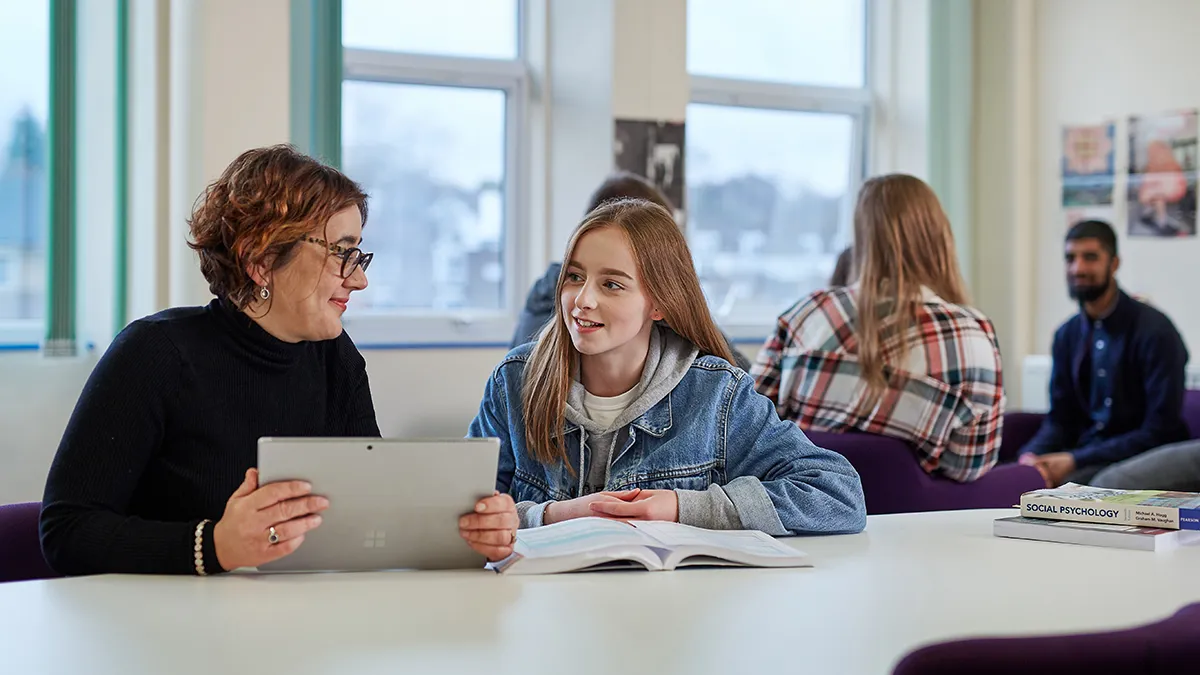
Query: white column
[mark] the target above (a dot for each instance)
(229, 92)
(1004, 214)
(899, 76)
(601, 60)
(95, 154)
(149, 157)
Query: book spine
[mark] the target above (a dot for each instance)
(1107, 512)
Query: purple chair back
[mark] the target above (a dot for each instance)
(1168, 646)
(1019, 429)
(894, 482)
(1191, 411)
(21, 556)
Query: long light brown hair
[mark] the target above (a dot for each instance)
(902, 241)
(667, 275)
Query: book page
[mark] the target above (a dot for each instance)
(578, 536)
(749, 542)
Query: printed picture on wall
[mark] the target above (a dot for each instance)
(1162, 175)
(1088, 165)
(654, 150)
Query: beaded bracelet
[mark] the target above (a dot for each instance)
(200, 548)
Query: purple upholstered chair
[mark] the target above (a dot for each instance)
(1165, 647)
(1020, 427)
(894, 482)
(1191, 411)
(20, 548)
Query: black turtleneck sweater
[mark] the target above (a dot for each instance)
(169, 422)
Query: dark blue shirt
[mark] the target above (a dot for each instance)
(1116, 386)
(1099, 367)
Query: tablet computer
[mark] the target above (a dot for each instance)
(393, 503)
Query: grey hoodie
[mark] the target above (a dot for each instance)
(667, 361)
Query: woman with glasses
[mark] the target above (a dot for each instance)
(155, 472)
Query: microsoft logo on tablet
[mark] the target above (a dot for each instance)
(375, 539)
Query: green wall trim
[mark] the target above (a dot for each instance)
(121, 172)
(60, 311)
(316, 78)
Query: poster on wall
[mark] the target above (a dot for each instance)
(653, 150)
(1162, 175)
(1087, 165)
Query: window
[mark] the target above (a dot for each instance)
(810, 42)
(774, 149)
(24, 170)
(432, 115)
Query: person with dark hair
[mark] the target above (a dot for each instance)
(541, 301)
(155, 471)
(841, 269)
(1117, 381)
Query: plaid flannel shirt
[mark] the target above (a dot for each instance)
(947, 399)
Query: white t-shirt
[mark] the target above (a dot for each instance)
(604, 410)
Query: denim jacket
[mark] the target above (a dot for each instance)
(711, 429)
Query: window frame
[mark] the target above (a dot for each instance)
(855, 102)
(54, 333)
(392, 329)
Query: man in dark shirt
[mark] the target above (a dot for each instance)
(1116, 387)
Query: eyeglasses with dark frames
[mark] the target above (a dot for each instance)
(351, 257)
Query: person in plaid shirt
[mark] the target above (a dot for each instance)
(924, 367)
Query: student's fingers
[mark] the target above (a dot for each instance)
(492, 553)
(624, 495)
(497, 503)
(489, 521)
(488, 537)
(620, 509)
(270, 495)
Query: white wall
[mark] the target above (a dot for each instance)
(1003, 184)
(1099, 59)
(1038, 66)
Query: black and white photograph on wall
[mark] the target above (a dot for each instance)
(654, 150)
(1162, 175)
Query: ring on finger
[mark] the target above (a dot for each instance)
(272, 535)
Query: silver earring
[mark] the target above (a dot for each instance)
(264, 293)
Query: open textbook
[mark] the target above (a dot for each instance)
(600, 543)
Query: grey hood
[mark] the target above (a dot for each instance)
(667, 361)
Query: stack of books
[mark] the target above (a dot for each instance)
(1148, 520)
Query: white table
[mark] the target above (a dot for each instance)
(909, 579)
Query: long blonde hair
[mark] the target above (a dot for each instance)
(666, 272)
(902, 241)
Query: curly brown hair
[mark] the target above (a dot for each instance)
(261, 207)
